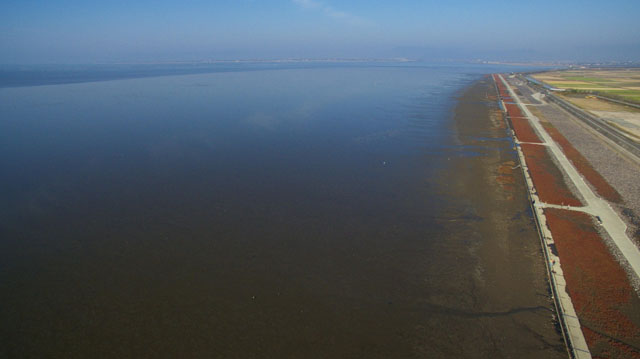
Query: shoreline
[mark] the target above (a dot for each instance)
(574, 339)
(508, 284)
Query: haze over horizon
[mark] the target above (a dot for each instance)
(73, 31)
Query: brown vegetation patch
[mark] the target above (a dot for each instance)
(506, 168)
(505, 180)
(524, 131)
(547, 177)
(502, 89)
(598, 286)
(513, 110)
(522, 127)
(505, 176)
(583, 166)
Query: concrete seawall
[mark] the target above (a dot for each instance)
(567, 317)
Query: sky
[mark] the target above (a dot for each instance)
(78, 32)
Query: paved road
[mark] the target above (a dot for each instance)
(572, 329)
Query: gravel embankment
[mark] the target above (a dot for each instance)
(621, 172)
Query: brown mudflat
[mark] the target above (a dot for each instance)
(495, 301)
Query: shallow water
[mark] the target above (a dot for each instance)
(284, 212)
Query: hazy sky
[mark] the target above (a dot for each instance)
(87, 31)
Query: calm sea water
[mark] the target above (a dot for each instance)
(279, 212)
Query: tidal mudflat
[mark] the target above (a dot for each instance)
(364, 211)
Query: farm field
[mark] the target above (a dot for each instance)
(625, 118)
(621, 83)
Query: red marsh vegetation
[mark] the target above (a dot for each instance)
(583, 166)
(599, 288)
(513, 110)
(547, 177)
(524, 131)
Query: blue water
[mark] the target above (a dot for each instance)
(284, 211)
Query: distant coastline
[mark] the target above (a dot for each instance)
(57, 74)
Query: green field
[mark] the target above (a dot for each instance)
(588, 79)
(623, 84)
(569, 85)
(633, 95)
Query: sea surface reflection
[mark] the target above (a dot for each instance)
(271, 213)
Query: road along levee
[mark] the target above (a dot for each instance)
(567, 317)
(603, 313)
(595, 205)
